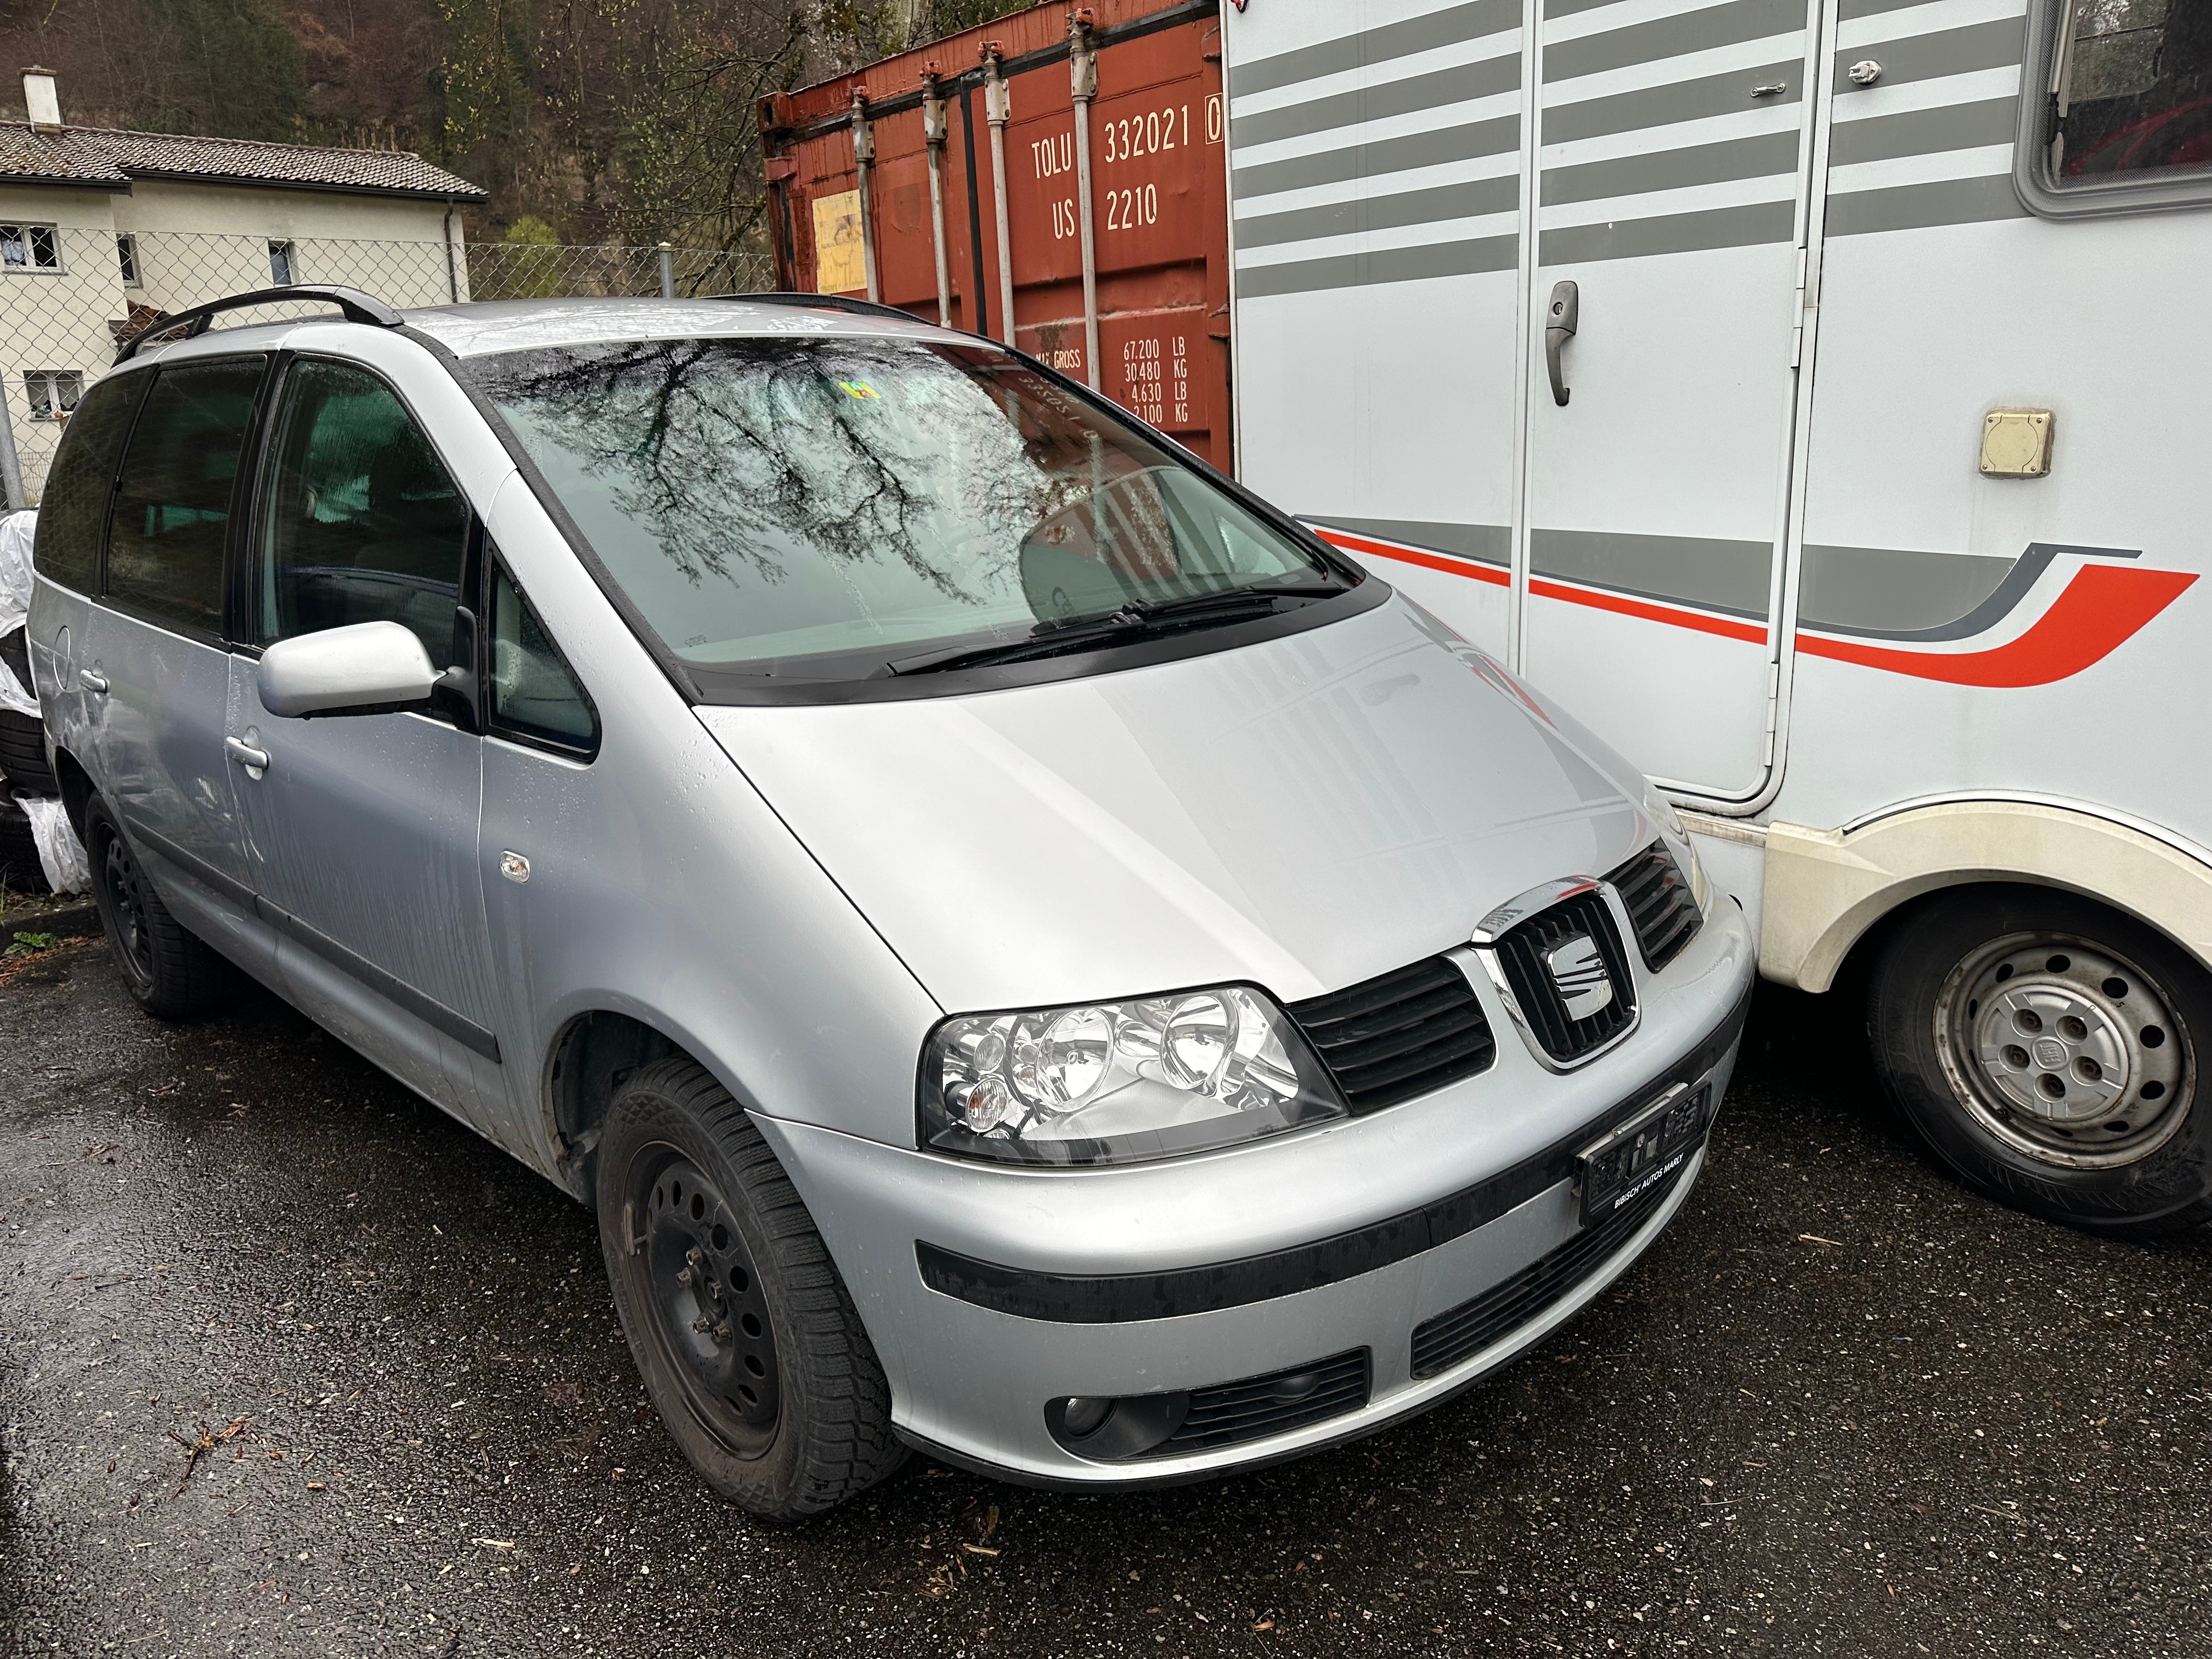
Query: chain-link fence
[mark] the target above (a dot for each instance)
(68, 296)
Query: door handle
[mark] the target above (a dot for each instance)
(255, 761)
(1560, 317)
(92, 680)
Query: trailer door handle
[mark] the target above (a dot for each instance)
(1559, 320)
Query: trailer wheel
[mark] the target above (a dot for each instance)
(2048, 1049)
(743, 1333)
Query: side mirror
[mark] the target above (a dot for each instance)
(368, 668)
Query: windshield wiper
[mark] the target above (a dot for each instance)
(1138, 619)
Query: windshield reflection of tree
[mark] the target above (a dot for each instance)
(757, 452)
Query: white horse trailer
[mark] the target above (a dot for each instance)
(1814, 397)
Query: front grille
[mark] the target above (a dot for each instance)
(1520, 956)
(1661, 907)
(1460, 1332)
(1231, 1413)
(1398, 1035)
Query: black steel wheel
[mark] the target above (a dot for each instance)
(742, 1329)
(2047, 1049)
(169, 974)
(710, 1316)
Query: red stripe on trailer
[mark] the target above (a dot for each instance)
(2100, 609)
(1352, 543)
(1730, 627)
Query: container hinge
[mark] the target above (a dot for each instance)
(1773, 710)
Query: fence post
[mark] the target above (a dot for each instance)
(11, 469)
(667, 271)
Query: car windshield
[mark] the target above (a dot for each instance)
(830, 507)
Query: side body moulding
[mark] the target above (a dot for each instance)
(1825, 887)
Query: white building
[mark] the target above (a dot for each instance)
(102, 230)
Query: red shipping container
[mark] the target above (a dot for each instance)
(887, 184)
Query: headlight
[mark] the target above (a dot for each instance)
(1120, 1082)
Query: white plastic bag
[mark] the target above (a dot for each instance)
(15, 535)
(61, 855)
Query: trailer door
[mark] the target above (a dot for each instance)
(1671, 155)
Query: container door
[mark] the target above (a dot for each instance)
(1671, 164)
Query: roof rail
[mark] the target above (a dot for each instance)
(356, 306)
(829, 302)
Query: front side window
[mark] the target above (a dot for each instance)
(53, 392)
(838, 508)
(165, 549)
(532, 693)
(2127, 116)
(73, 510)
(361, 521)
(30, 248)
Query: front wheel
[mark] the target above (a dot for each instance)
(2048, 1049)
(742, 1329)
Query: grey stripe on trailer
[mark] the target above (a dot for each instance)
(1479, 544)
(1701, 570)
(1917, 207)
(1849, 10)
(1747, 226)
(1447, 27)
(1756, 157)
(1672, 37)
(1394, 264)
(1677, 101)
(1994, 45)
(1460, 84)
(1380, 159)
(1409, 207)
(1925, 131)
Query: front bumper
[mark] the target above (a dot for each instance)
(989, 1293)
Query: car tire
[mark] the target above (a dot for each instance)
(2049, 1050)
(23, 754)
(21, 871)
(744, 1332)
(169, 974)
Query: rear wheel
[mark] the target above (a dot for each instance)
(171, 974)
(743, 1331)
(2048, 1049)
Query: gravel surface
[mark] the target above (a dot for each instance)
(293, 1365)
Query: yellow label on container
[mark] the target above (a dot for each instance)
(840, 264)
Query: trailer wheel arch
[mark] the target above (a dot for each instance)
(1825, 892)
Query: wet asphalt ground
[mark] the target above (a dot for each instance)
(290, 1364)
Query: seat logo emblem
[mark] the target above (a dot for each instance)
(1579, 971)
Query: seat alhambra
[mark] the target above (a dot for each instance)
(1031, 956)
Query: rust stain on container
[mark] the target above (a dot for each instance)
(1158, 201)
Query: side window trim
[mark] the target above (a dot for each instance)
(242, 493)
(2047, 20)
(494, 569)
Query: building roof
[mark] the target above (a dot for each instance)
(106, 158)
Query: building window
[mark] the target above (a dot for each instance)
(2124, 119)
(29, 247)
(284, 265)
(126, 258)
(53, 392)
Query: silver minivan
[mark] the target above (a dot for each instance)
(1031, 955)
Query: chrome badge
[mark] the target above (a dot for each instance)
(1585, 987)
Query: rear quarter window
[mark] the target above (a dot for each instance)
(73, 512)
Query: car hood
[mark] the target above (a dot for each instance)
(1302, 814)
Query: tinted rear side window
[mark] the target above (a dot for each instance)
(73, 512)
(173, 503)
